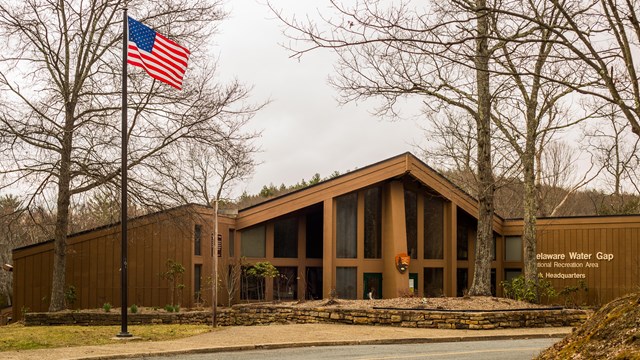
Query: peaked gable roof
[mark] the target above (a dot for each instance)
(394, 167)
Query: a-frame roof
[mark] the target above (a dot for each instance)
(395, 167)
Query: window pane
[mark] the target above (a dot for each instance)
(346, 282)
(433, 282)
(346, 226)
(315, 234)
(251, 287)
(372, 224)
(314, 283)
(197, 282)
(285, 285)
(494, 282)
(252, 242)
(462, 281)
(411, 221)
(513, 248)
(433, 227)
(197, 239)
(493, 247)
(462, 236)
(372, 286)
(510, 274)
(285, 238)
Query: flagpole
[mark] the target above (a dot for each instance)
(123, 185)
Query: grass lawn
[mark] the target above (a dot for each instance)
(20, 337)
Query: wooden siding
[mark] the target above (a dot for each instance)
(595, 237)
(93, 262)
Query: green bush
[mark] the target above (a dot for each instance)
(575, 296)
(70, 296)
(522, 289)
(168, 308)
(133, 309)
(106, 307)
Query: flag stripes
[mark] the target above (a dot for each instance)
(162, 58)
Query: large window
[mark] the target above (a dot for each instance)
(346, 226)
(372, 223)
(285, 238)
(433, 227)
(197, 240)
(411, 221)
(314, 234)
(433, 282)
(346, 282)
(253, 242)
(513, 248)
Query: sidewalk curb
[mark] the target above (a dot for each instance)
(288, 345)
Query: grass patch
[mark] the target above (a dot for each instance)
(20, 337)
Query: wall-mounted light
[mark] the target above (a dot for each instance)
(7, 267)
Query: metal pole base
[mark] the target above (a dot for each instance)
(124, 335)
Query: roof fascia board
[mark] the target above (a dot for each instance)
(446, 188)
(332, 188)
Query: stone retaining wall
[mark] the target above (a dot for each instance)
(247, 315)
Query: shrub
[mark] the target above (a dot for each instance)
(522, 289)
(168, 308)
(70, 296)
(106, 307)
(133, 309)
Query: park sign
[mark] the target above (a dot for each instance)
(569, 265)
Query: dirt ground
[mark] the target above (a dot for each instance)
(441, 303)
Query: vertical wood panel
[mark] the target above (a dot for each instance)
(93, 270)
(148, 251)
(155, 263)
(100, 270)
(85, 282)
(111, 267)
(141, 258)
(36, 283)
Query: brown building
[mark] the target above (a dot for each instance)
(342, 236)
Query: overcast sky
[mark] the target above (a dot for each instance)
(305, 131)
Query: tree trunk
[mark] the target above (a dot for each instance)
(62, 219)
(530, 211)
(481, 284)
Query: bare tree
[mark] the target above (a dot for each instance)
(604, 35)
(560, 176)
(616, 153)
(59, 118)
(528, 110)
(439, 52)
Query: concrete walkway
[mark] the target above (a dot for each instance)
(237, 338)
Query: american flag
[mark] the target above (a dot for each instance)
(162, 59)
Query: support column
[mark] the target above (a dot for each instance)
(450, 249)
(328, 249)
(394, 240)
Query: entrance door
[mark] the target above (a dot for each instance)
(373, 286)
